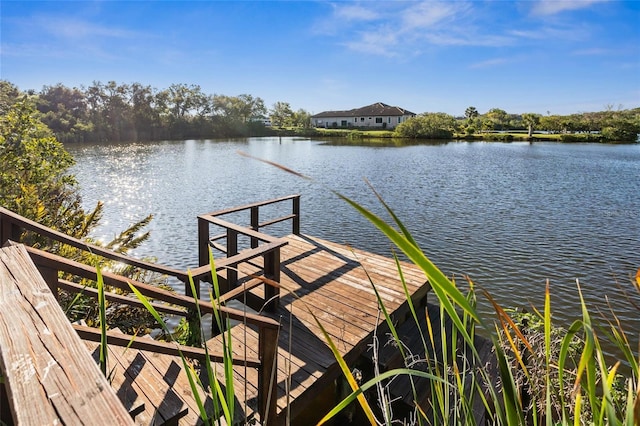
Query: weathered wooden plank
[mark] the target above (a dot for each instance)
(129, 392)
(49, 373)
(165, 403)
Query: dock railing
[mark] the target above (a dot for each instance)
(261, 244)
(13, 227)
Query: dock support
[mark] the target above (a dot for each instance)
(296, 213)
(272, 272)
(268, 379)
(203, 241)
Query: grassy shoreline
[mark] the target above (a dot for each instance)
(356, 135)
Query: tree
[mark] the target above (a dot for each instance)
(64, 111)
(281, 114)
(436, 125)
(498, 117)
(9, 94)
(531, 120)
(301, 118)
(471, 113)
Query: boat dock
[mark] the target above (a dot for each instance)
(274, 290)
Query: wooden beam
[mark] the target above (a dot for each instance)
(118, 298)
(46, 259)
(49, 374)
(117, 338)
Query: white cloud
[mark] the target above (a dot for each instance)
(553, 7)
(433, 14)
(354, 12)
(489, 63)
(78, 29)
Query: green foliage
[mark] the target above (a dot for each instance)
(35, 183)
(436, 125)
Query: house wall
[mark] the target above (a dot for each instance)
(344, 122)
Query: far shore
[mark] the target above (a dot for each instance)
(356, 134)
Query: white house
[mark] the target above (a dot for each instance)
(377, 115)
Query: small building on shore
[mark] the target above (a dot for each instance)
(377, 115)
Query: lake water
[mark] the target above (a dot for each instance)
(509, 215)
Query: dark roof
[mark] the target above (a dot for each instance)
(376, 109)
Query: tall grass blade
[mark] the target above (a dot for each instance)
(226, 341)
(359, 391)
(346, 372)
(547, 353)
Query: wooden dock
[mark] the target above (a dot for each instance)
(332, 282)
(284, 370)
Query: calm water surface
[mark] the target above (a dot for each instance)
(509, 215)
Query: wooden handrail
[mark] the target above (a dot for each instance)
(203, 272)
(47, 260)
(118, 338)
(28, 224)
(249, 206)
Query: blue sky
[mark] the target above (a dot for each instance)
(541, 56)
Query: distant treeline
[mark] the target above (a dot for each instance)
(135, 112)
(602, 126)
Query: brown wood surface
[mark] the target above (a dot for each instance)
(49, 374)
(330, 284)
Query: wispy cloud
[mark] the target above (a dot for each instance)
(354, 12)
(553, 7)
(566, 32)
(79, 29)
(399, 28)
(490, 63)
(432, 14)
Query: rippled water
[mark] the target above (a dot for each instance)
(509, 215)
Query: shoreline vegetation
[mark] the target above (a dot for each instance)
(134, 112)
(383, 136)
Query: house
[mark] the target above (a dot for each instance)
(377, 115)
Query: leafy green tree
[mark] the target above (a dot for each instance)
(531, 120)
(436, 125)
(471, 113)
(9, 94)
(301, 118)
(64, 111)
(281, 114)
(499, 117)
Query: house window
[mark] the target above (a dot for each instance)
(399, 119)
(389, 120)
(379, 120)
(361, 118)
(343, 123)
(355, 120)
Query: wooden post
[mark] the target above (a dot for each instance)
(8, 230)
(5, 410)
(203, 241)
(267, 375)
(272, 271)
(51, 278)
(296, 212)
(255, 224)
(232, 250)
